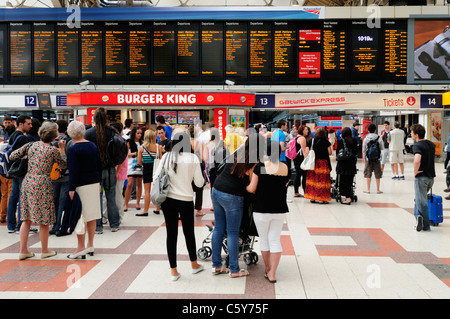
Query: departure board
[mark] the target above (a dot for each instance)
(236, 50)
(212, 50)
(67, 52)
(334, 55)
(44, 50)
(365, 56)
(260, 34)
(3, 50)
(20, 51)
(140, 48)
(395, 50)
(91, 51)
(115, 51)
(188, 50)
(310, 49)
(284, 50)
(164, 50)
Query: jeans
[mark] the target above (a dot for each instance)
(422, 185)
(13, 205)
(59, 197)
(228, 210)
(108, 183)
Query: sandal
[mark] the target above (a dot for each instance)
(241, 273)
(221, 270)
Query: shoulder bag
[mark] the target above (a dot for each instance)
(160, 187)
(310, 160)
(344, 153)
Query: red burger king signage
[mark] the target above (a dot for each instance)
(155, 99)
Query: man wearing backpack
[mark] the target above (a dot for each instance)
(23, 126)
(372, 148)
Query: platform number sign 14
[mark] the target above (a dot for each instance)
(30, 100)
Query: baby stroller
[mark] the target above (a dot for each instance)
(247, 239)
(336, 192)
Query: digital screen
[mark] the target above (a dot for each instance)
(3, 51)
(115, 51)
(236, 50)
(188, 117)
(91, 51)
(365, 53)
(309, 46)
(44, 50)
(334, 56)
(67, 52)
(395, 50)
(432, 50)
(163, 49)
(260, 49)
(212, 50)
(169, 116)
(140, 42)
(20, 51)
(188, 49)
(284, 50)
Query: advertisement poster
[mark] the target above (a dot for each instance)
(220, 121)
(436, 130)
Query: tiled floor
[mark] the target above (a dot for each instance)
(367, 250)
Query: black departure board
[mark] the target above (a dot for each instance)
(310, 50)
(334, 55)
(3, 50)
(364, 52)
(140, 41)
(236, 50)
(188, 50)
(68, 56)
(44, 50)
(116, 37)
(204, 52)
(395, 50)
(260, 35)
(212, 50)
(164, 50)
(284, 50)
(91, 51)
(20, 51)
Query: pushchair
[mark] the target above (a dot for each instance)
(336, 192)
(247, 238)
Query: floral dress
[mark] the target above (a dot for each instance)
(36, 198)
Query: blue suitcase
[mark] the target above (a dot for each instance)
(435, 209)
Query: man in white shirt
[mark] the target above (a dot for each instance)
(396, 146)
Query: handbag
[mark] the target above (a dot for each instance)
(156, 160)
(310, 160)
(160, 187)
(344, 153)
(19, 168)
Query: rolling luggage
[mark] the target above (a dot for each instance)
(435, 209)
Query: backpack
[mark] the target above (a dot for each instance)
(373, 150)
(291, 152)
(5, 163)
(116, 150)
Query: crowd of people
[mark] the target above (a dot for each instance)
(258, 165)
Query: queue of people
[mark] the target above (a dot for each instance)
(254, 166)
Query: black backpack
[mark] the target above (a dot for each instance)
(116, 150)
(373, 150)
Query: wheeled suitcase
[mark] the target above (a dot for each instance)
(435, 209)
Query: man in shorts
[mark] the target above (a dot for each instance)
(372, 165)
(396, 146)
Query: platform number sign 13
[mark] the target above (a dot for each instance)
(30, 100)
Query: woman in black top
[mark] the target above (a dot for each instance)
(228, 201)
(300, 176)
(269, 182)
(346, 169)
(318, 183)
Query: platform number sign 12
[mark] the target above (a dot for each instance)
(30, 100)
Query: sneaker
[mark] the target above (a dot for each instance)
(395, 178)
(419, 225)
(11, 231)
(115, 229)
(402, 177)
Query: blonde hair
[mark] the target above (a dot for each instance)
(149, 138)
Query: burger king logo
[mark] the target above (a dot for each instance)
(210, 98)
(220, 112)
(243, 99)
(105, 98)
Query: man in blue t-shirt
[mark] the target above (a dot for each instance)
(161, 121)
(280, 137)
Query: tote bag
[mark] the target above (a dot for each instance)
(160, 187)
(310, 160)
